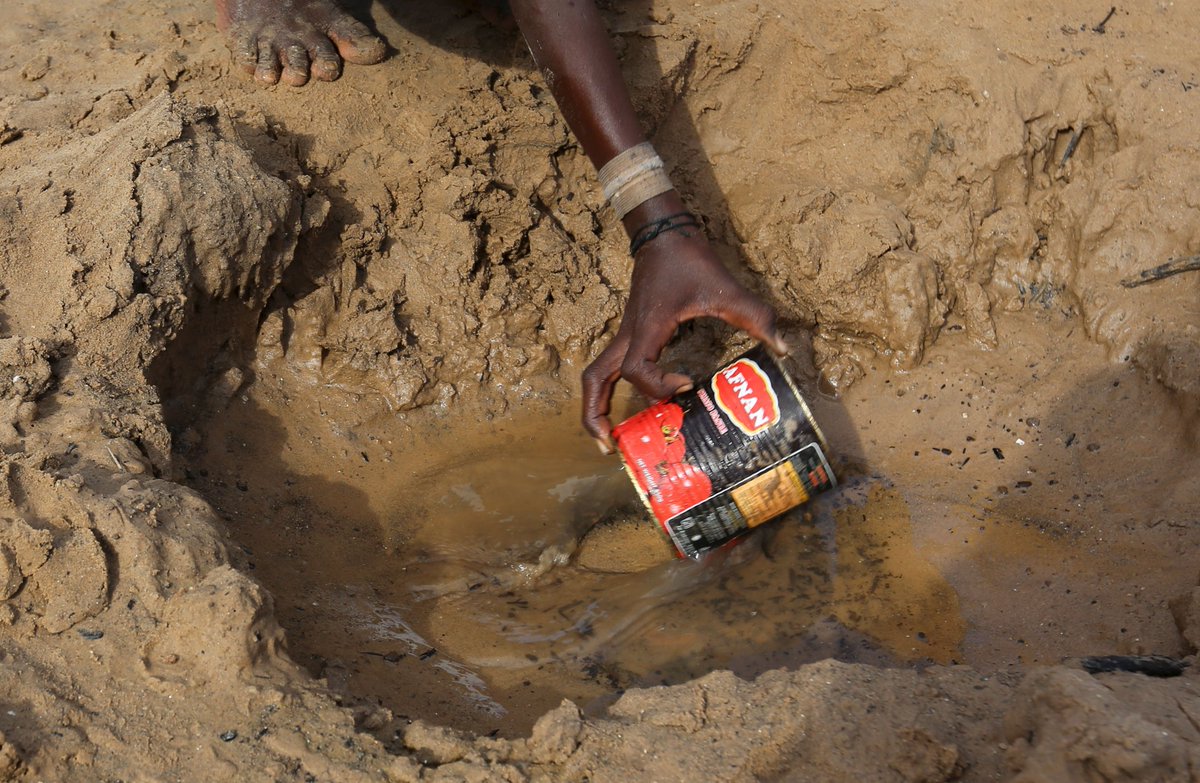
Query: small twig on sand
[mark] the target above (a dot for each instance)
(390, 657)
(1100, 27)
(1071, 145)
(1172, 267)
(120, 465)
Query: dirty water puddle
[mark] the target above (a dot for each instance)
(475, 572)
(476, 575)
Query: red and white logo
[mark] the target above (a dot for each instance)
(744, 393)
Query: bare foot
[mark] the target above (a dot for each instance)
(293, 39)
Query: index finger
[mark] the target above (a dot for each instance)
(752, 315)
(640, 366)
(599, 379)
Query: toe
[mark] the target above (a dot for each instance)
(355, 41)
(295, 65)
(245, 51)
(326, 64)
(267, 69)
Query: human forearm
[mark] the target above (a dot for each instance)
(571, 47)
(676, 275)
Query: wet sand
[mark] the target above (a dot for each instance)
(291, 485)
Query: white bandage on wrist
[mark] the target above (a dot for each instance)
(634, 177)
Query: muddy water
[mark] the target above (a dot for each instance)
(476, 572)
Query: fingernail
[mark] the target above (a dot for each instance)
(780, 346)
(605, 445)
(687, 387)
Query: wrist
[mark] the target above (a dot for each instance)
(682, 223)
(656, 208)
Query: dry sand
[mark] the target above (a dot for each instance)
(210, 290)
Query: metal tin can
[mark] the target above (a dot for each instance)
(739, 449)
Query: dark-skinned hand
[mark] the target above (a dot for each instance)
(676, 277)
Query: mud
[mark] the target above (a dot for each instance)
(292, 486)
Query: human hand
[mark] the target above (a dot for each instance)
(676, 278)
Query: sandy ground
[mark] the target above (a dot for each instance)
(249, 337)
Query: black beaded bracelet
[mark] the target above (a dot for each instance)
(656, 228)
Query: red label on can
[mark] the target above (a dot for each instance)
(671, 483)
(744, 392)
